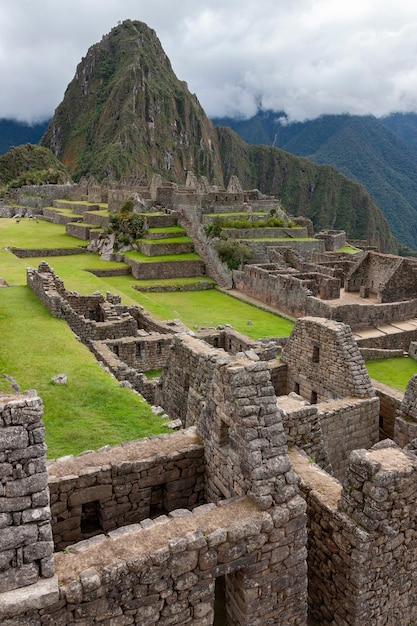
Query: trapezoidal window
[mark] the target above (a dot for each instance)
(223, 434)
(157, 503)
(315, 357)
(90, 519)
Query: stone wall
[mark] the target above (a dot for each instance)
(167, 572)
(79, 230)
(347, 424)
(90, 317)
(123, 373)
(364, 535)
(24, 253)
(162, 248)
(187, 378)
(266, 233)
(286, 291)
(142, 353)
(156, 270)
(391, 277)
(41, 195)
(371, 271)
(333, 239)
(405, 429)
(26, 546)
(114, 487)
(323, 361)
(389, 403)
(398, 341)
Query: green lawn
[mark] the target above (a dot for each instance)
(32, 234)
(91, 410)
(394, 372)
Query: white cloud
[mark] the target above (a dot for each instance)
(306, 57)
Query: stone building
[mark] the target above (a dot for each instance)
(153, 531)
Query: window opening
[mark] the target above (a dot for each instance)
(220, 614)
(223, 434)
(90, 518)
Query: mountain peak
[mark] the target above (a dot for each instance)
(125, 113)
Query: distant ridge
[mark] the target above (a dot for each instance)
(126, 115)
(14, 133)
(380, 154)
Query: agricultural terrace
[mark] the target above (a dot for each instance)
(91, 410)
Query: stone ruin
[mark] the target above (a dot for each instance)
(271, 498)
(367, 290)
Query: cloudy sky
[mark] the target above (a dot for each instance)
(306, 57)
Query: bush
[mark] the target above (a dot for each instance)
(127, 225)
(233, 253)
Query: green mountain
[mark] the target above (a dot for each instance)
(379, 154)
(29, 164)
(125, 114)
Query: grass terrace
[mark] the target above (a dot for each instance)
(91, 410)
(76, 417)
(142, 258)
(394, 372)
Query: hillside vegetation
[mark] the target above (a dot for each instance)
(126, 114)
(29, 164)
(381, 155)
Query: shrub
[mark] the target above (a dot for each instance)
(233, 253)
(127, 225)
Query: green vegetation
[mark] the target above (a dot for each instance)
(29, 164)
(76, 418)
(233, 253)
(198, 309)
(75, 415)
(127, 226)
(348, 249)
(218, 223)
(394, 372)
(143, 258)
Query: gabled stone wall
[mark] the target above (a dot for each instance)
(323, 360)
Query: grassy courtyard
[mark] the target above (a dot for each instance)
(91, 410)
(394, 372)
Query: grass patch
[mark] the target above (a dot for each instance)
(150, 374)
(348, 249)
(32, 234)
(91, 410)
(394, 372)
(168, 240)
(205, 308)
(167, 229)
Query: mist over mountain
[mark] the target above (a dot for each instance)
(126, 115)
(14, 133)
(380, 154)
